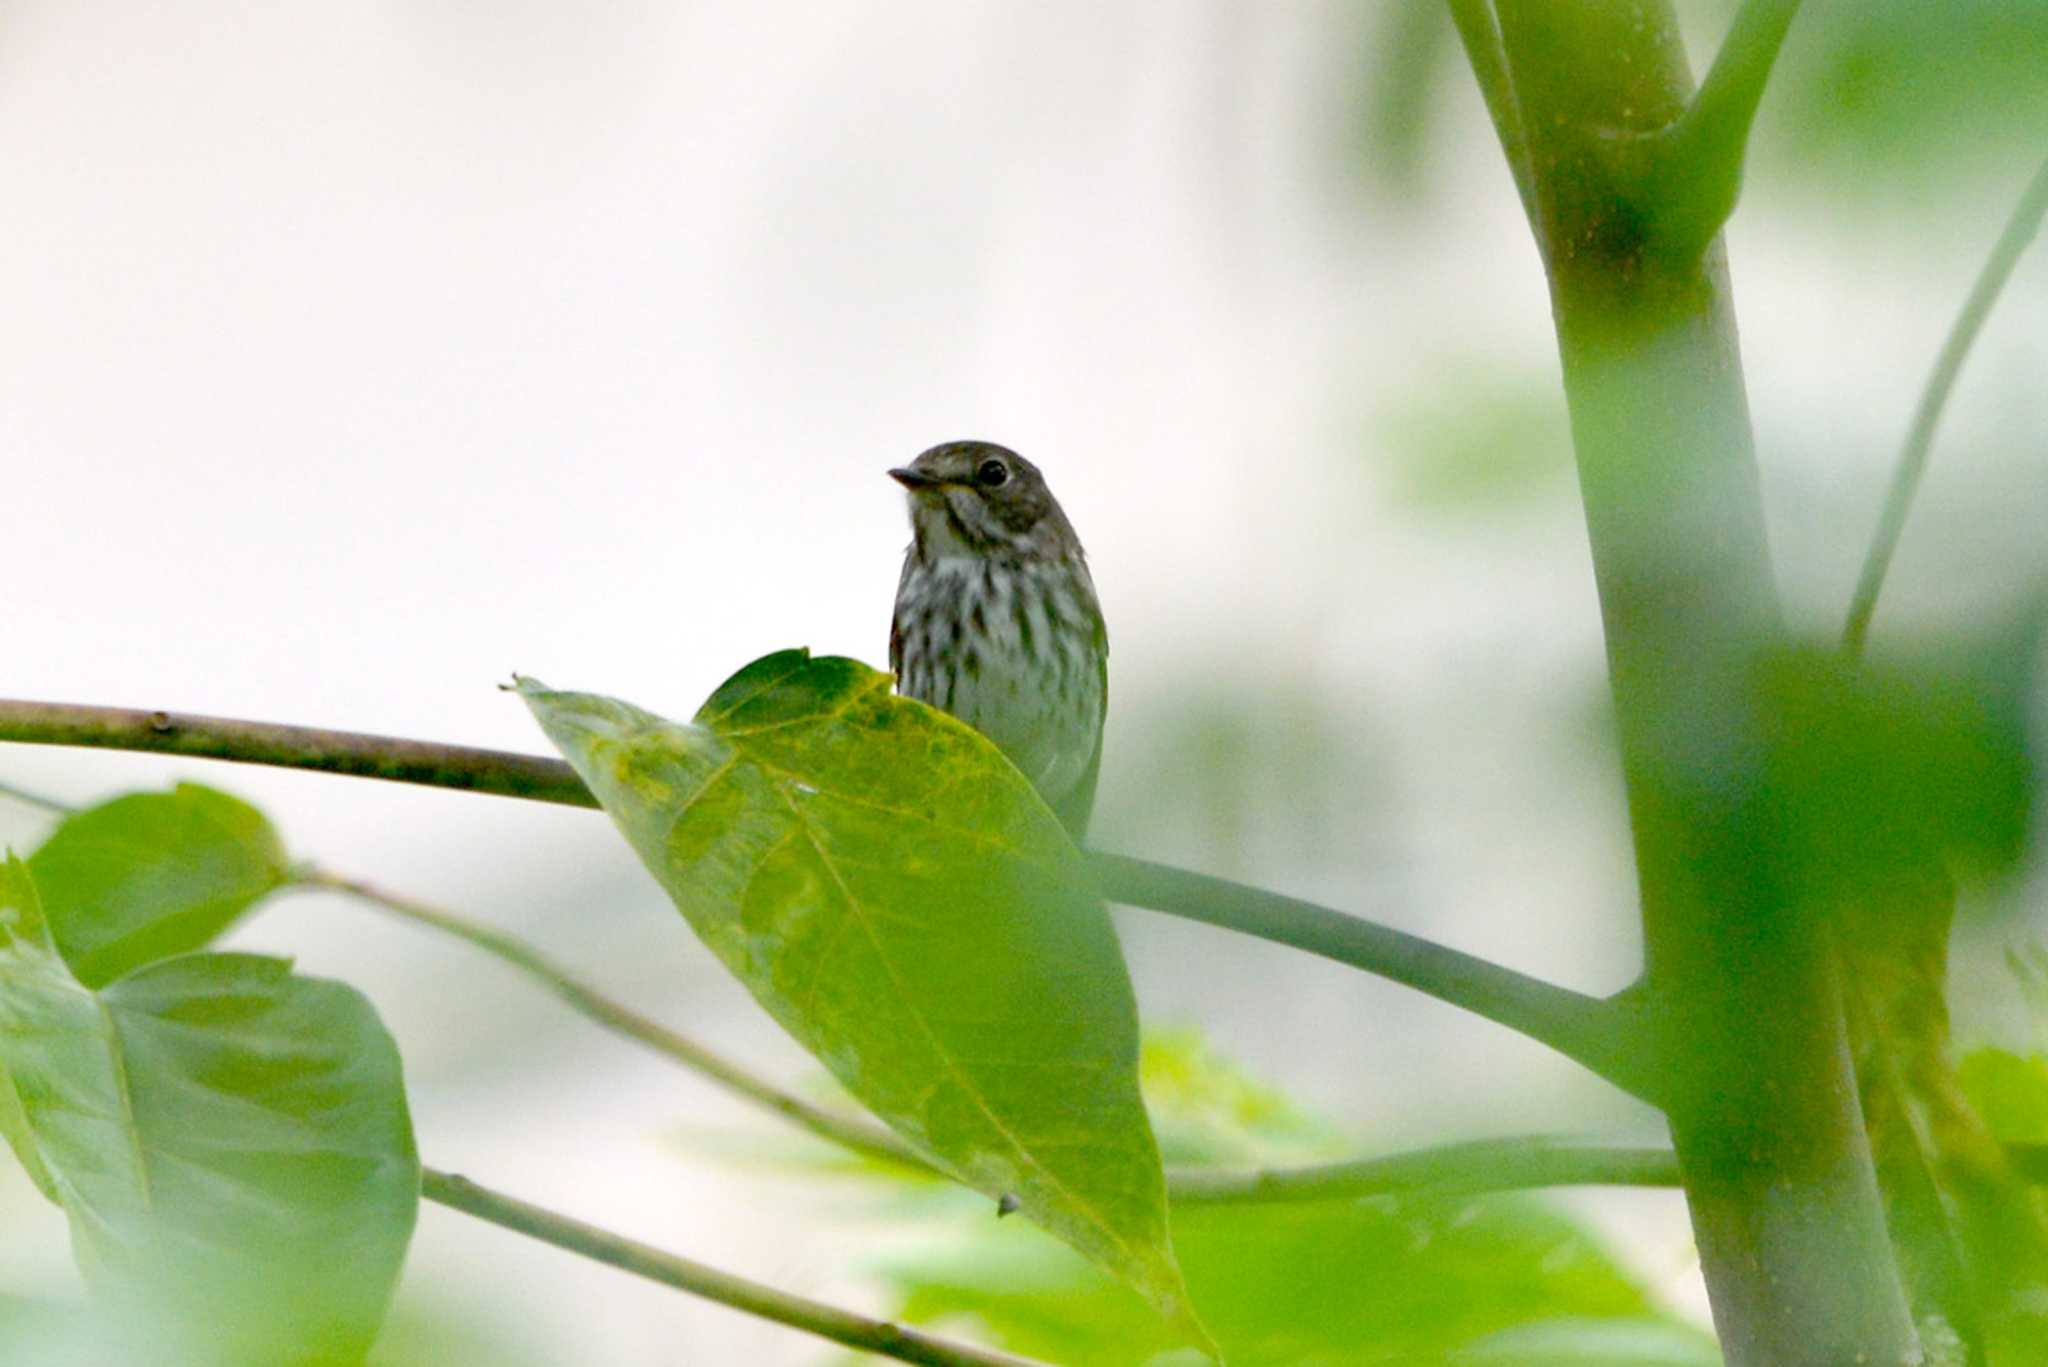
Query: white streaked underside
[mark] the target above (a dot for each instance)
(1020, 670)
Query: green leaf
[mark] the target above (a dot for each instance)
(1593, 1343)
(150, 875)
(1485, 443)
(229, 1141)
(2010, 1092)
(1340, 1284)
(1207, 1110)
(1344, 1284)
(1877, 86)
(1881, 770)
(898, 898)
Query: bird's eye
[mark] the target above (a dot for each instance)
(992, 473)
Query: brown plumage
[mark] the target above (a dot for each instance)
(996, 620)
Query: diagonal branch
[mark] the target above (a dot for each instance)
(2019, 231)
(1469, 1168)
(1486, 1165)
(683, 1274)
(1696, 173)
(1607, 1036)
(1479, 31)
(868, 1140)
(37, 800)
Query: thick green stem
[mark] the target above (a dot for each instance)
(1762, 1104)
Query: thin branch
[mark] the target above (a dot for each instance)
(1479, 31)
(2019, 231)
(1452, 1169)
(868, 1140)
(1606, 1036)
(295, 747)
(1487, 1165)
(812, 1317)
(1696, 176)
(37, 800)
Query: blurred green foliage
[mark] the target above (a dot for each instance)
(1477, 442)
(1865, 83)
(2010, 1091)
(1423, 1279)
(229, 1141)
(1881, 769)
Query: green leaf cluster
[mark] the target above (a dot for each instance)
(1424, 1279)
(228, 1140)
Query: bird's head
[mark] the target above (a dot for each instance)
(970, 498)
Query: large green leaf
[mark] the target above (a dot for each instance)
(150, 875)
(897, 896)
(229, 1141)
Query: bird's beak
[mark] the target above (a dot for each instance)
(914, 480)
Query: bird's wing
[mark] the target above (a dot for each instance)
(896, 616)
(1078, 803)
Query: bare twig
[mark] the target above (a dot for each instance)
(295, 747)
(2019, 231)
(812, 1317)
(37, 800)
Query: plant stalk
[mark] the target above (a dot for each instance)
(1763, 1105)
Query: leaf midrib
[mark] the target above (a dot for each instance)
(924, 1026)
(131, 1130)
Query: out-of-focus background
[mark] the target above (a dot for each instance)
(356, 356)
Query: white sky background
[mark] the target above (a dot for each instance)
(356, 356)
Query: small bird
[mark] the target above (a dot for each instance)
(996, 620)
